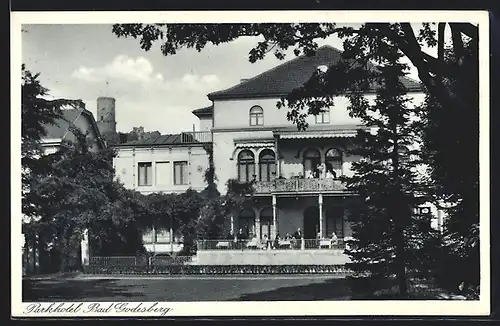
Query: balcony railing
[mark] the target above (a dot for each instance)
(196, 137)
(298, 185)
(301, 244)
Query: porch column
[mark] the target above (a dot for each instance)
(85, 248)
(320, 203)
(277, 157)
(233, 232)
(275, 222)
(257, 226)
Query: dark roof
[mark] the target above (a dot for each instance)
(60, 128)
(203, 111)
(284, 78)
(170, 139)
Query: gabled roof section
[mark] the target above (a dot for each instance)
(61, 126)
(284, 78)
(203, 112)
(165, 140)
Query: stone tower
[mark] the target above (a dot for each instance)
(106, 119)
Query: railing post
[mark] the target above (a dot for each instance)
(320, 204)
(275, 220)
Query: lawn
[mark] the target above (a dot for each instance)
(187, 288)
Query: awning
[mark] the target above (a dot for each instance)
(318, 134)
(254, 145)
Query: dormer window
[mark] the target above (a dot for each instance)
(323, 117)
(256, 116)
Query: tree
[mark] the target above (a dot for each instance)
(457, 185)
(389, 240)
(36, 113)
(73, 189)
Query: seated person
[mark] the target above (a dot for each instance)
(277, 241)
(334, 239)
(310, 174)
(330, 174)
(265, 242)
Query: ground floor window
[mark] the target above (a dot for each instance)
(266, 222)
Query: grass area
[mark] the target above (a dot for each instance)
(210, 288)
(186, 289)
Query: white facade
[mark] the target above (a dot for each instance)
(172, 169)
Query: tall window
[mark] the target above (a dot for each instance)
(256, 116)
(246, 166)
(181, 173)
(323, 116)
(333, 162)
(312, 159)
(145, 174)
(267, 165)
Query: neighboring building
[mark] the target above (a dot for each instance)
(106, 119)
(82, 119)
(163, 164)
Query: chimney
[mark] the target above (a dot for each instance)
(243, 80)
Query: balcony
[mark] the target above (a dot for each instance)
(298, 186)
(196, 137)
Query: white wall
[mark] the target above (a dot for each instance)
(235, 113)
(205, 123)
(162, 159)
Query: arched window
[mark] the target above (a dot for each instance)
(256, 116)
(333, 162)
(246, 166)
(246, 222)
(323, 117)
(267, 165)
(312, 159)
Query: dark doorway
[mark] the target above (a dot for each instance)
(311, 222)
(335, 221)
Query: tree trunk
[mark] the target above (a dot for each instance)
(401, 261)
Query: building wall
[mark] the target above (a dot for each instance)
(271, 257)
(225, 153)
(162, 160)
(235, 113)
(291, 153)
(205, 123)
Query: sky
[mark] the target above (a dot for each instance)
(158, 92)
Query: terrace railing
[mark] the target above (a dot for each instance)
(323, 244)
(298, 185)
(196, 137)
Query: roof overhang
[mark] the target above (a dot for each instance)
(349, 133)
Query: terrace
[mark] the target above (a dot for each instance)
(296, 185)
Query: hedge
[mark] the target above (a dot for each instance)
(217, 269)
